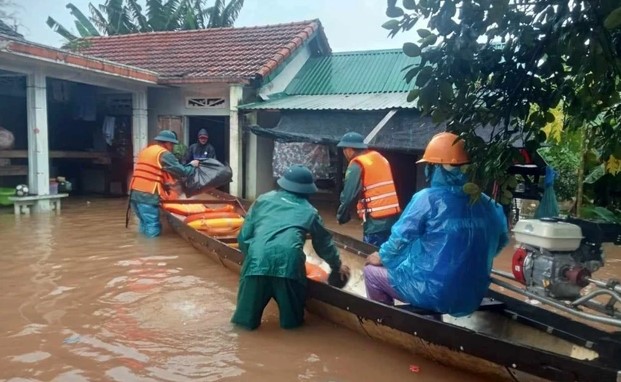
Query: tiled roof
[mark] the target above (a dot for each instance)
(216, 54)
(16, 47)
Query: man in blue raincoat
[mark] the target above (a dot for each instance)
(440, 252)
(272, 240)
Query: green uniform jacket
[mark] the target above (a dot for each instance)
(171, 165)
(350, 195)
(273, 236)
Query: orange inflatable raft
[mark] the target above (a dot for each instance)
(184, 209)
(203, 224)
(211, 215)
(316, 273)
(224, 208)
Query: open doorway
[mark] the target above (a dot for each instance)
(218, 130)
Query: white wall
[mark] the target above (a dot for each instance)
(258, 177)
(259, 150)
(282, 80)
(172, 101)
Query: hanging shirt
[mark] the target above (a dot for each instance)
(273, 236)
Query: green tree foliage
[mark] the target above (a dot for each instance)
(564, 156)
(508, 64)
(116, 17)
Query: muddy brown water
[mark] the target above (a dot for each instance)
(84, 299)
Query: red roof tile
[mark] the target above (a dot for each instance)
(216, 54)
(31, 50)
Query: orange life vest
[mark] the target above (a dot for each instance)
(379, 196)
(149, 175)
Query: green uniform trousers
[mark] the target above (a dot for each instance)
(256, 291)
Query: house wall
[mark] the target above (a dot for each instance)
(258, 175)
(280, 82)
(173, 102)
(38, 113)
(258, 151)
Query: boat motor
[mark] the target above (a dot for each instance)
(556, 260)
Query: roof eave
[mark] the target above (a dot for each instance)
(203, 80)
(298, 41)
(62, 57)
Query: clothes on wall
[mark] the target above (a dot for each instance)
(315, 157)
(60, 91)
(108, 129)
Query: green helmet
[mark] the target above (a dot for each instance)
(352, 140)
(298, 179)
(166, 136)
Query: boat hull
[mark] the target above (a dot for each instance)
(492, 345)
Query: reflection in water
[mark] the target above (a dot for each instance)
(84, 299)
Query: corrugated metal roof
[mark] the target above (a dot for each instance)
(373, 101)
(363, 72)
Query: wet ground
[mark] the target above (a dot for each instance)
(84, 299)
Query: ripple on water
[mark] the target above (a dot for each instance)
(89, 300)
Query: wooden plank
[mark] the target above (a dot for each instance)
(13, 170)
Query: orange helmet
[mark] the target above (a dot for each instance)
(445, 148)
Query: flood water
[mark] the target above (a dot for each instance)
(84, 299)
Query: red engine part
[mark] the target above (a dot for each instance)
(578, 275)
(517, 265)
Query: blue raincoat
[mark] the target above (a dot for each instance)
(440, 252)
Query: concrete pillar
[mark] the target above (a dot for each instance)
(38, 151)
(140, 123)
(235, 140)
(252, 164)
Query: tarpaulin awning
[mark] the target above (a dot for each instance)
(405, 131)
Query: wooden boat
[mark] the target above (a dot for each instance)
(506, 339)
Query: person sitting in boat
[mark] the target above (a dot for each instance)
(155, 171)
(369, 182)
(201, 149)
(272, 240)
(440, 251)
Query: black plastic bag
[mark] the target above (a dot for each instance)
(208, 175)
(336, 280)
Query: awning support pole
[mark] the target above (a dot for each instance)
(380, 125)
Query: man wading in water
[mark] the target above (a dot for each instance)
(272, 240)
(155, 171)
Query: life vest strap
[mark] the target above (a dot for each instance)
(382, 208)
(380, 184)
(380, 196)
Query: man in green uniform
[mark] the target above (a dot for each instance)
(155, 167)
(272, 240)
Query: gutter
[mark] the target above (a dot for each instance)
(56, 56)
